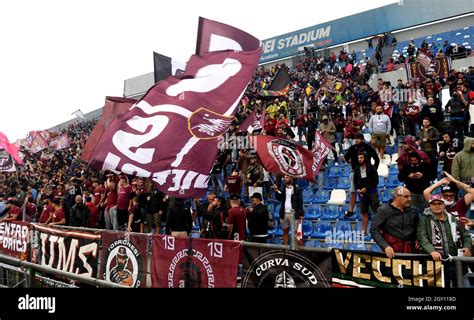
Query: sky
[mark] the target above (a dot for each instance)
(59, 56)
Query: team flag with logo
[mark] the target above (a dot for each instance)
(194, 263)
(171, 135)
(124, 258)
(284, 156)
(254, 121)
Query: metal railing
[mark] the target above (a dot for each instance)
(31, 267)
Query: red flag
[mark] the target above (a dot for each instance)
(171, 135)
(254, 120)
(388, 109)
(284, 156)
(216, 36)
(194, 263)
(112, 108)
(320, 150)
(11, 148)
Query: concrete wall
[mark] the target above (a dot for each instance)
(136, 87)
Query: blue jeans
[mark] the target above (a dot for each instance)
(216, 181)
(339, 138)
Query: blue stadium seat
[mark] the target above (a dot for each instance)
(335, 172)
(374, 247)
(303, 183)
(335, 245)
(307, 195)
(275, 240)
(392, 181)
(381, 183)
(357, 246)
(321, 229)
(307, 228)
(331, 212)
(388, 195)
(313, 212)
(278, 232)
(330, 183)
(345, 208)
(393, 169)
(344, 226)
(313, 244)
(343, 183)
(322, 196)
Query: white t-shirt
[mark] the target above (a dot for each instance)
(471, 113)
(289, 192)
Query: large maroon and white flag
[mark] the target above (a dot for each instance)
(11, 148)
(320, 150)
(254, 120)
(112, 108)
(284, 156)
(171, 134)
(215, 36)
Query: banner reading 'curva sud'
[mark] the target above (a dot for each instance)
(271, 268)
(194, 263)
(124, 258)
(373, 269)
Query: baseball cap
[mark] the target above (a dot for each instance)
(325, 118)
(436, 197)
(446, 188)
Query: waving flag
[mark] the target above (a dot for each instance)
(166, 66)
(280, 84)
(215, 36)
(112, 108)
(11, 148)
(284, 156)
(171, 134)
(254, 120)
(320, 150)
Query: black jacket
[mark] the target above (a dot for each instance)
(353, 152)
(415, 185)
(296, 201)
(179, 219)
(392, 221)
(370, 182)
(258, 220)
(79, 215)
